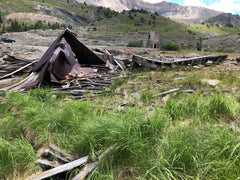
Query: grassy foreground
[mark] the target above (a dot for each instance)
(189, 136)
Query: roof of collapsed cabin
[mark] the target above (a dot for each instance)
(65, 56)
(83, 54)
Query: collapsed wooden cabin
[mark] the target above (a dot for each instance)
(64, 57)
(72, 65)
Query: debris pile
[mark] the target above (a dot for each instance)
(75, 68)
(56, 162)
(78, 86)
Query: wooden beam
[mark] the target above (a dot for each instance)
(45, 164)
(61, 153)
(89, 168)
(144, 62)
(18, 70)
(167, 92)
(61, 169)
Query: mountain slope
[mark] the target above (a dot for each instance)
(225, 18)
(171, 10)
(189, 14)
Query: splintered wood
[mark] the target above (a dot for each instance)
(78, 87)
(72, 162)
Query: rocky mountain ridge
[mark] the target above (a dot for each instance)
(225, 18)
(194, 14)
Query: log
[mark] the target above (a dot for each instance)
(89, 168)
(18, 70)
(167, 92)
(61, 168)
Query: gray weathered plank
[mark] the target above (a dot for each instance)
(61, 169)
(89, 168)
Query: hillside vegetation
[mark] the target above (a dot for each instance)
(110, 21)
(214, 30)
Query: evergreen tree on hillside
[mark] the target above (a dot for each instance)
(3, 29)
(1, 20)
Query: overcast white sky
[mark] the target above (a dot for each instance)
(232, 6)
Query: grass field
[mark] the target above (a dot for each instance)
(185, 136)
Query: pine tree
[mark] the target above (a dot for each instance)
(199, 44)
(1, 20)
(3, 28)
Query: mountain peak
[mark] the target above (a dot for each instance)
(195, 14)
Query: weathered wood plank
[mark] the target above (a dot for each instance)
(48, 153)
(18, 70)
(188, 91)
(45, 164)
(167, 92)
(120, 64)
(61, 153)
(61, 168)
(202, 58)
(89, 168)
(141, 61)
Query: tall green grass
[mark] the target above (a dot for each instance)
(16, 157)
(204, 107)
(180, 141)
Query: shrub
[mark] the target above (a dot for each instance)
(135, 44)
(170, 46)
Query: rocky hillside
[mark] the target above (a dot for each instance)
(33, 17)
(78, 11)
(172, 10)
(225, 18)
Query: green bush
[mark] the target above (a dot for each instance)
(135, 44)
(170, 46)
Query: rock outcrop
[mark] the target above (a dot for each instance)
(224, 19)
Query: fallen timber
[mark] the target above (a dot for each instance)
(86, 163)
(18, 70)
(156, 64)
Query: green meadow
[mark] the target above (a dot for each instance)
(184, 136)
